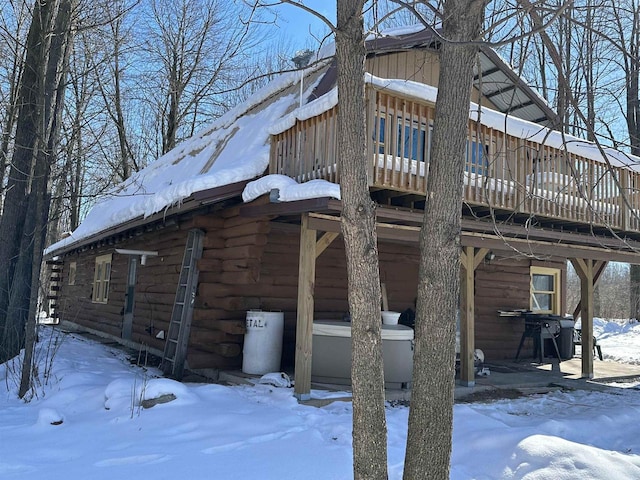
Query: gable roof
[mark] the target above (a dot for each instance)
(494, 78)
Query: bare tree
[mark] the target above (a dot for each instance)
(194, 48)
(13, 30)
(626, 19)
(24, 217)
(431, 413)
(113, 61)
(360, 240)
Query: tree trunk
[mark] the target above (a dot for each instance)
(358, 229)
(431, 414)
(634, 287)
(27, 203)
(40, 197)
(28, 137)
(632, 74)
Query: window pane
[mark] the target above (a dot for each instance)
(542, 301)
(543, 283)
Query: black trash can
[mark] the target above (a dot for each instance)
(565, 339)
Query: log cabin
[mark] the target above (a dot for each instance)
(245, 215)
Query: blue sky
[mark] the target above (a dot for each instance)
(299, 25)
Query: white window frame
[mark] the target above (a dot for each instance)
(101, 279)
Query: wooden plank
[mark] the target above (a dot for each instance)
(203, 222)
(385, 299)
(234, 327)
(241, 265)
(241, 252)
(304, 323)
(585, 270)
(323, 243)
(479, 257)
(467, 346)
(255, 239)
(200, 336)
(206, 312)
(235, 303)
(250, 228)
(209, 265)
(198, 359)
(212, 241)
(228, 350)
(598, 269)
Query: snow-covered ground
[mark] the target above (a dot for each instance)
(87, 422)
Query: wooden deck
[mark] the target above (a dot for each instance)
(503, 173)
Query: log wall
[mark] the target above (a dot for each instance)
(155, 287)
(504, 284)
(250, 263)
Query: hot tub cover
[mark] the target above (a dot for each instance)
(334, 328)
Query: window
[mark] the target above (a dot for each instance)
(545, 290)
(477, 158)
(72, 273)
(101, 279)
(412, 139)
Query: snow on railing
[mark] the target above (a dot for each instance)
(502, 171)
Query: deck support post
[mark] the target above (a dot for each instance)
(470, 258)
(585, 270)
(598, 268)
(304, 322)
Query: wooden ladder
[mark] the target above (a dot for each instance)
(175, 347)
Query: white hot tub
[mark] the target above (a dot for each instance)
(331, 360)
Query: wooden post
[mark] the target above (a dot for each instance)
(598, 268)
(324, 242)
(467, 377)
(625, 191)
(371, 119)
(584, 269)
(304, 325)
(469, 259)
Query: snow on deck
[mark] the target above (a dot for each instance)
(236, 148)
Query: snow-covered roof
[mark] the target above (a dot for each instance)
(235, 148)
(232, 149)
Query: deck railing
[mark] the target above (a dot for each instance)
(504, 172)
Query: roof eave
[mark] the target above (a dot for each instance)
(163, 218)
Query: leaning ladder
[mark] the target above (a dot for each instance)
(175, 347)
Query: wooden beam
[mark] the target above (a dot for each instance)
(546, 249)
(598, 269)
(467, 320)
(585, 269)
(304, 325)
(479, 257)
(324, 242)
(385, 299)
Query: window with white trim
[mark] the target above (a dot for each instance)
(101, 279)
(545, 290)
